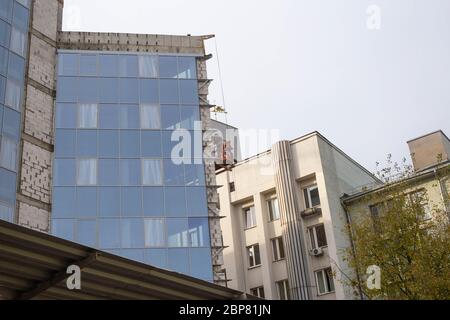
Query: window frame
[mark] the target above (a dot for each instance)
(251, 255)
(312, 231)
(307, 196)
(246, 210)
(258, 292)
(328, 281)
(278, 248)
(284, 285)
(270, 209)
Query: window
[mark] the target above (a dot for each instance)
(109, 116)
(7, 186)
(274, 212)
(64, 202)
(317, 237)
(311, 195)
(149, 91)
(108, 90)
(88, 90)
(173, 173)
(177, 233)
(187, 68)
(148, 66)
(128, 66)
(170, 117)
(258, 292)
(108, 172)
(325, 283)
(3, 61)
(6, 213)
(189, 91)
(154, 233)
(278, 249)
(151, 172)
(200, 263)
(254, 258)
(199, 232)
(420, 198)
(179, 260)
(196, 201)
(232, 187)
(87, 116)
(131, 202)
(109, 64)
(109, 229)
(132, 233)
(109, 202)
(4, 33)
(86, 202)
(375, 212)
(13, 94)
(153, 199)
(11, 124)
(151, 145)
(129, 117)
(283, 290)
(88, 65)
(20, 16)
(87, 172)
(66, 115)
(195, 174)
(129, 91)
(130, 144)
(68, 64)
(67, 90)
(87, 143)
(168, 90)
(130, 172)
(249, 217)
(8, 154)
(64, 228)
(189, 116)
(168, 67)
(18, 42)
(108, 143)
(6, 9)
(65, 142)
(65, 172)
(175, 201)
(16, 67)
(150, 118)
(156, 257)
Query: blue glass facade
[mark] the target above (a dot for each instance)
(14, 19)
(118, 185)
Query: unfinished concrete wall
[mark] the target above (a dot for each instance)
(34, 188)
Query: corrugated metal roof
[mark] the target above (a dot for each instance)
(33, 265)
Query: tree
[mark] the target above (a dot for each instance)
(405, 235)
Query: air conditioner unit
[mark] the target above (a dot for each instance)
(316, 252)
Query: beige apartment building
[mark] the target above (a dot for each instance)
(283, 220)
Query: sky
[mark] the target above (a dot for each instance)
(368, 75)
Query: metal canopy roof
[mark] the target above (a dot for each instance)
(33, 266)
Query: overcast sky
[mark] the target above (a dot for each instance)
(305, 65)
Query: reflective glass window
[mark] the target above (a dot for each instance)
(86, 202)
(7, 186)
(64, 172)
(108, 172)
(66, 115)
(108, 143)
(153, 200)
(189, 91)
(130, 143)
(18, 41)
(151, 172)
(201, 265)
(108, 90)
(177, 233)
(168, 67)
(88, 90)
(88, 64)
(170, 117)
(8, 154)
(179, 260)
(2, 89)
(87, 143)
(129, 116)
(108, 65)
(196, 201)
(154, 233)
(64, 228)
(6, 212)
(3, 61)
(109, 116)
(67, 90)
(149, 91)
(173, 173)
(128, 90)
(109, 233)
(187, 68)
(151, 144)
(65, 143)
(20, 16)
(87, 116)
(11, 124)
(64, 202)
(13, 97)
(87, 172)
(168, 90)
(195, 174)
(6, 9)
(132, 233)
(175, 201)
(199, 232)
(16, 67)
(131, 202)
(148, 66)
(5, 31)
(189, 116)
(133, 254)
(156, 257)
(150, 116)
(128, 66)
(109, 202)
(87, 232)
(130, 172)
(68, 64)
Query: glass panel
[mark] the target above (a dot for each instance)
(199, 232)
(156, 257)
(175, 201)
(197, 202)
(129, 91)
(64, 202)
(189, 116)
(87, 116)
(5, 31)
(312, 238)
(67, 89)
(129, 117)
(150, 118)
(133, 254)
(189, 91)
(108, 172)
(25, 3)
(330, 280)
(321, 236)
(187, 68)
(3, 61)
(128, 66)
(168, 90)
(13, 94)
(11, 124)
(131, 202)
(16, 67)
(1, 117)
(173, 173)
(170, 117)
(179, 260)
(195, 174)
(66, 115)
(320, 282)
(88, 90)
(177, 233)
(130, 144)
(132, 233)
(20, 16)
(86, 202)
(168, 67)
(65, 172)
(130, 172)
(2, 89)
(179, 142)
(68, 64)
(7, 186)
(108, 90)
(109, 233)
(315, 199)
(109, 202)
(65, 142)
(151, 172)
(18, 42)
(109, 65)
(149, 91)
(6, 9)
(306, 197)
(153, 201)
(154, 233)
(201, 265)
(148, 66)
(109, 116)
(87, 172)
(8, 155)
(87, 143)
(64, 228)
(151, 144)
(108, 143)
(87, 233)
(88, 64)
